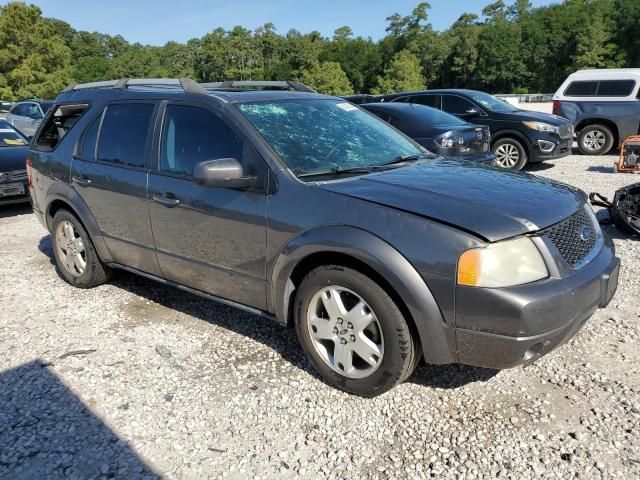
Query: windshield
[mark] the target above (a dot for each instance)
(321, 135)
(492, 103)
(10, 138)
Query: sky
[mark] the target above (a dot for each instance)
(155, 22)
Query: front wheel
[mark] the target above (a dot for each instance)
(352, 331)
(595, 140)
(510, 154)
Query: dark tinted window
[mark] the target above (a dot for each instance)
(87, 148)
(46, 106)
(123, 136)
(21, 109)
(581, 89)
(615, 88)
(381, 114)
(432, 116)
(427, 100)
(192, 135)
(456, 105)
(58, 125)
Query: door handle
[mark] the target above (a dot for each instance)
(83, 181)
(166, 200)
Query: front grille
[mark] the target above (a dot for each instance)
(13, 176)
(574, 237)
(566, 131)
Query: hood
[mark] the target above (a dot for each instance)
(493, 204)
(13, 158)
(527, 115)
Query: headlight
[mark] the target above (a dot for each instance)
(502, 264)
(542, 127)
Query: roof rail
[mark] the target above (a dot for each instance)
(240, 84)
(187, 84)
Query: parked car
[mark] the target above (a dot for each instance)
(603, 104)
(360, 98)
(27, 115)
(518, 136)
(305, 209)
(437, 131)
(4, 109)
(14, 149)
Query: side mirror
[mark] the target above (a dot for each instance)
(472, 112)
(223, 173)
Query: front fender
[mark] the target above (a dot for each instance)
(65, 193)
(438, 340)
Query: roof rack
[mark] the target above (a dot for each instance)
(187, 84)
(248, 84)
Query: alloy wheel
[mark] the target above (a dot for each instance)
(71, 250)
(594, 140)
(345, 332)
(507, 155)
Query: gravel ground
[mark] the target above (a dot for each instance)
(134, 379)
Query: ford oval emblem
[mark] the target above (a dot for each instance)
(585, 233)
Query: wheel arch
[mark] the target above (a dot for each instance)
(62, 196)
(526, 144)
(369, 254)
(613, 126)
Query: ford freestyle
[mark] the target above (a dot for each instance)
(307, 210)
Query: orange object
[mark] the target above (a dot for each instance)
(469, 268)
(629, 161)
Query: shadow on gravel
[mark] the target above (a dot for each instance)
(13, 210)
(282, 340)
(600, 169)
(47, 432)
(539, 167)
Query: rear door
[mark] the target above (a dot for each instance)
(110, 172)
(208, 238)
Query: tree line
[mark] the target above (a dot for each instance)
(510, 48)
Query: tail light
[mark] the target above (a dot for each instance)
(29, 173)
(556, 107)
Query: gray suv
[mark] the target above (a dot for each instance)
(309, 211)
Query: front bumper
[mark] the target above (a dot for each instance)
(549, 147)
(506, 327)
(9, 196)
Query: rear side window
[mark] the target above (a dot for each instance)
(58, 125)
(124, 132)
(87, 147)
(456, 105)
(581, 89)
(21, 109)
(192, 135)
(427, 100)
(616, 88)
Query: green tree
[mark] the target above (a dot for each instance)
(594, 47)
(327, 77)
(403, 73)
(34, 59)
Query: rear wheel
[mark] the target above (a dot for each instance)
(510, 154)
(595, 140)
(75, 254)
(352, 331)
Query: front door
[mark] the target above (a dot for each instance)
(211, 239)
(110, 173)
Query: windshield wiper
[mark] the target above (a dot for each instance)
(338, 171)
(406, 158)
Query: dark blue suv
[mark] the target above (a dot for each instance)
(307, 210)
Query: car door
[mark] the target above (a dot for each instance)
(110, 172)
(18, 115)
(210, 239)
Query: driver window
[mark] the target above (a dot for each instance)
(192, 135)
(456, 105)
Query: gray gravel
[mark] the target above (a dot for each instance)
(135, 379)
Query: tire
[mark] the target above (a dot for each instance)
(75, 254)
(595, 140)
(392, 349)
(510, 154)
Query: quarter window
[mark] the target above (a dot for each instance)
(427, 100)
(192, 135)
(58, 125)
(124, 132)
(87, 149)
